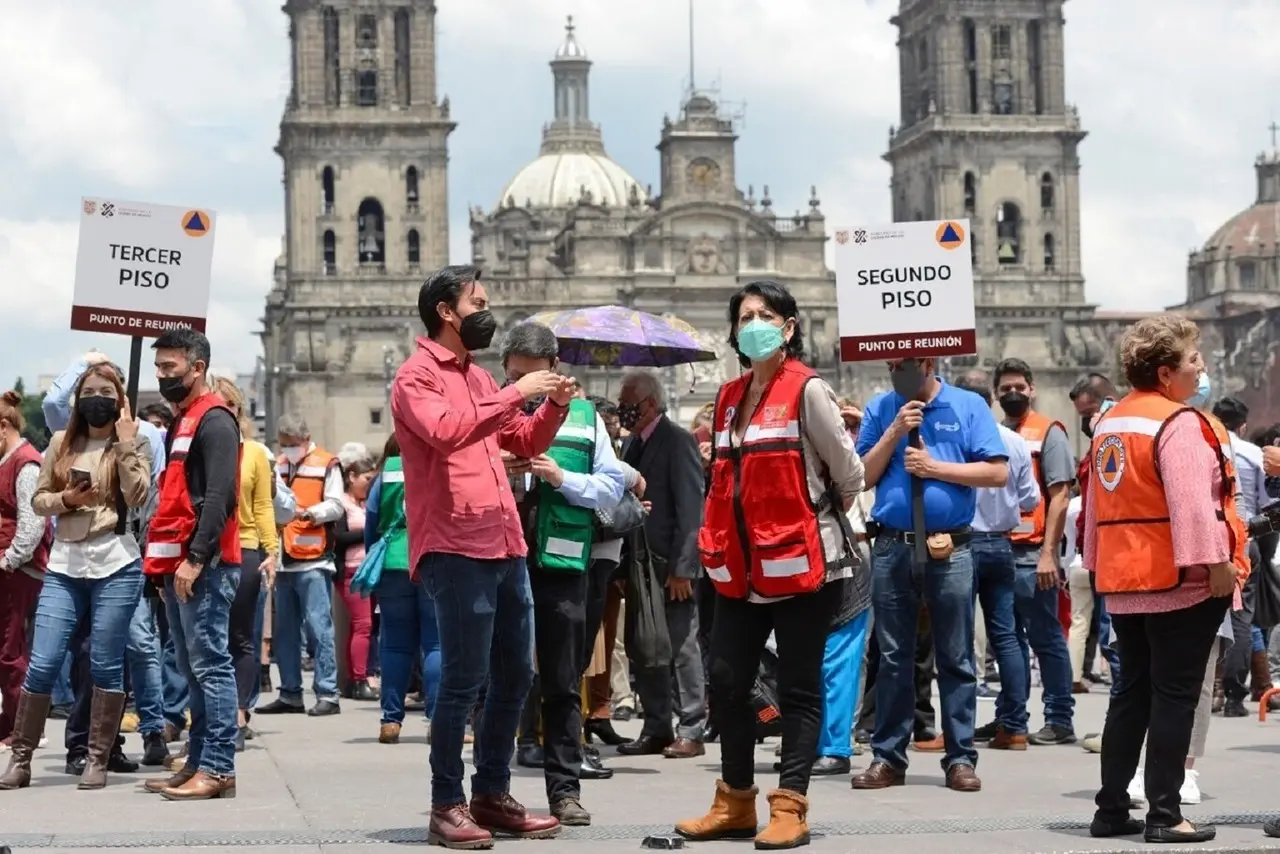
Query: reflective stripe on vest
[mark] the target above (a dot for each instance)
(760, 529)
(174, 523)
(1034, 429)
(563, 533)
(1131, 511)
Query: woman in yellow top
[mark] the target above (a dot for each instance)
(260, 544)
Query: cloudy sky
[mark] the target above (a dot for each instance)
(179, 103)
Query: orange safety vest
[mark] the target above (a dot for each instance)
(1034, 428)
(305, 541)
(760, 527)
(1135, 541)
(175, 519)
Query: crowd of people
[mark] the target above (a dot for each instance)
(527, 564)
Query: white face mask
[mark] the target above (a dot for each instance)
(295, 454)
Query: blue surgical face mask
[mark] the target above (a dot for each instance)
(759, 340)
(1203, 389)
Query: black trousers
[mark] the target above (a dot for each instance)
(1162, 663)
(1235, 664)
(76, 735)
(242, 640)
(559, 627)
(738, 635)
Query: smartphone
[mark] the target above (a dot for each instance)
(702, 434)
(81, 478)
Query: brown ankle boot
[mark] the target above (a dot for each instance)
(1259, 675)
(788, 822)
(104, 726)
(732, 816)
(1219, 694)
(27, 726)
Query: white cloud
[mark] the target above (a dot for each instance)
(137, 103)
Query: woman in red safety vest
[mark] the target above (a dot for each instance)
(777, 548)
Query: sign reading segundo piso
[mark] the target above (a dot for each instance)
(905, 291)
(142, 268)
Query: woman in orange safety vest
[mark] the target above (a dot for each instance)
(774, 545)
(1168, 551)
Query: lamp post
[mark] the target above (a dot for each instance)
(388, 370)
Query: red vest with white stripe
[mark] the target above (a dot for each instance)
(174, 523)
(1035, 429)
(760, 528)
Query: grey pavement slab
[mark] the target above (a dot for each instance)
(326, 785)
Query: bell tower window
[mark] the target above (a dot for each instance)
(403, 78)
(367, 32)
(1008, 233)
(367, 87)
(330, 254)
(1001, 43)
(1035, 65)
(332, 58)
(1050, 262)
(971, 62)
(1046, 192)
(372, 238)
(970, 193)
(411, 187)
(415, 248)
(327, 189)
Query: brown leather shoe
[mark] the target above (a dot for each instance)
(1079, 688)
(961, 778)
(645, 745)
(159, 784)
(453, 827)
(1004, 740)
(505, 815)
(684, 748)
(389, 734)
(937, 744)
(201, 787)
(881, 775)
(177, 761)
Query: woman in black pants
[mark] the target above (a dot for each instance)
(259, 544)
(778, 550)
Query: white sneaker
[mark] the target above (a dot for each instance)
(1137, 792)
(1190, 791)
(44, 740)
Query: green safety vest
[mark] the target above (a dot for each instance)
(390, 506)
(565, 532)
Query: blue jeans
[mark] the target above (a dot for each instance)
(109, 602)
(62, 694)
(173, 684)
(408, 631)
(897, 586)
(199, 630)
(842, 685)
(303, 602)
(484, 611)
(142, 654)
(993, 581)
(259, 626)
(1040, 630)
(1102, 619)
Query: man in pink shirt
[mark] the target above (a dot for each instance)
(468, 549)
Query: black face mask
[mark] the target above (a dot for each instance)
(907, 378)
(1086, 425)
(628, 415)
(174, 389)
(1015, 404)
(531, 405)
(98, 412)
(477, 330)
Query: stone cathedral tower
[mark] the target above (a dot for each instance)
(986, 133)
(364, 141)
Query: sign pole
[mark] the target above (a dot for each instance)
(919, 532)
(135, 370)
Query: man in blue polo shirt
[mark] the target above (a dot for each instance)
(962, 451)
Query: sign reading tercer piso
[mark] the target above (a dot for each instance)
(905, 291)
(141, 268)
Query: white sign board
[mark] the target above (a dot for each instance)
(905, 291)
(142, 269)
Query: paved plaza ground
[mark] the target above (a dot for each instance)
(326, 785)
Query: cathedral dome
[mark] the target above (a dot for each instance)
(560, 179)
(1256, 229)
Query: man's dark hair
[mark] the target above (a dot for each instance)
(603, 406)
(780, 301)
(445, 285)
(975, 384)
(531, 340)
(191, 342)
(1232, 412)
(1017, 367)
(1096, 386)
(159, 411)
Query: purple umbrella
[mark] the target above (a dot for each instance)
(614, 336)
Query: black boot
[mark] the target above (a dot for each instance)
(154, 749)
(603, 730)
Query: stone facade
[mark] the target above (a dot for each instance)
(683, 252)
(364, 141)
